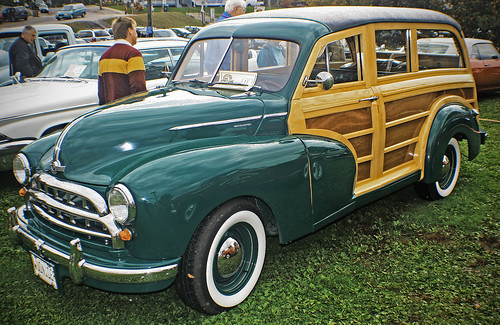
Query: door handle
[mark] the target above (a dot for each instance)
(369, 99)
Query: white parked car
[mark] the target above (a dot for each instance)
(67, 88)
(94, 35)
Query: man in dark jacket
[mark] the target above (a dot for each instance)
(21, 55)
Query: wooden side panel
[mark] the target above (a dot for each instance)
(343, 122)
(398, 157)
(403, 132)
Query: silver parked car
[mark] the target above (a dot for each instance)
(67, 88)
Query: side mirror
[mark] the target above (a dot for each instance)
(324, 78)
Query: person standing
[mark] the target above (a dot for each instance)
(22, 58)
(233, 8)
(121, 67)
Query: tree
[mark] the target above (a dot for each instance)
(478, 18)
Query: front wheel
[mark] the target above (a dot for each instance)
(211, 283)
(450, 169)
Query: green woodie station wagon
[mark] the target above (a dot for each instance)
(273, 123)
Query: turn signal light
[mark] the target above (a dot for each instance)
(125, 234)
(23, 191)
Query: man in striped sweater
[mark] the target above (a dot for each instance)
(121, 67)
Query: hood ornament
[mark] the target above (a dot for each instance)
(56, 167)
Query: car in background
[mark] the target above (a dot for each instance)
(71, 11)
(94, 35)
(15, 13)
(485, 62)
(1, 18)
(165, 33)
(483, 56)
(193, 29)
(54, 37)
(67, 88)
(43, 8)
(182, 32)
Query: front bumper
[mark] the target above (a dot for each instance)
(79, 269)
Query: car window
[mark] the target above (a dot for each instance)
(343, 61)
(4, 58)
(67, 8)
(164, 33)
(267, 62)
(160, 61)
(438, 49)
(74, 63)
(6, 42)
(101, 33)
(484, 51)
(391, 48)
(58, 39)
(85, 34)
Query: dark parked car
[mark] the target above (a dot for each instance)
(15, 13)
(43, 8)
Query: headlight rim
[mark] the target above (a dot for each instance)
(129, 202)
(26, 168)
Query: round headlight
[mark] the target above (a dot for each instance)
(21, 168)
(121, 204)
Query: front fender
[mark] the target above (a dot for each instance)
(452, 120)
(174, 193)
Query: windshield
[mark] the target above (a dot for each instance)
(74, 63)
(233, 63)
(67, 8)
(83, 62)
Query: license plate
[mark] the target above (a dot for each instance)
(44, 270)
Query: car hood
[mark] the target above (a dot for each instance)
(112, 141)
(34, 97)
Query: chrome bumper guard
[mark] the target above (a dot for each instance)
(75, 261)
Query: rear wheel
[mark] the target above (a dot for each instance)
(450, 170)
(208, 281)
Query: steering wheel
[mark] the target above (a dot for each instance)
(269, 85)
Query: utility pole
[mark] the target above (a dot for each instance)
(149, 28)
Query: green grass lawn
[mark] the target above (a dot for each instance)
(400, 260)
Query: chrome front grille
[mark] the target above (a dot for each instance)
(72, 206)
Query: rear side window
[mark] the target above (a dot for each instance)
(438, 49)
(484, 51)
(342, 59)
(391, 49)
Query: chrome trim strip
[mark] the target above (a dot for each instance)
(14, 145)
(276, 114)
(236, 120)
(67, 226)
(44, 198)
(82, 267)
(95, 198)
